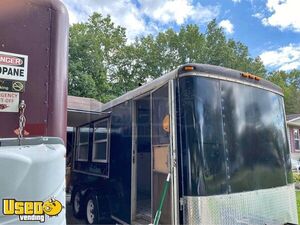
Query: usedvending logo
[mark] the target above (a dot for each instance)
(31, 210)
(13, 66)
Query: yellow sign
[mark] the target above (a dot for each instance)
(31, 210)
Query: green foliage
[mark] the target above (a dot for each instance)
(290, 84)
(103, 65)
(93, 50)
(296, 177)
(298, 203)
(169, 49)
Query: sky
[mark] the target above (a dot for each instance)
(270, 28)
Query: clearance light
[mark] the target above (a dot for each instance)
(250, 76)
(244, 75)
(188, 68)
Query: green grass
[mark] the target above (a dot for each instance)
(298, 203)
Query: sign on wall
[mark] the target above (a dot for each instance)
(13, 66)
(12, 85)
(9, 101)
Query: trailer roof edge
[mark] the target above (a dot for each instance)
(199, 68)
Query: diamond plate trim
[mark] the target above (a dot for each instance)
(272, 206)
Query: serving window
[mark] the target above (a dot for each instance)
(83, 143)
(101, 141)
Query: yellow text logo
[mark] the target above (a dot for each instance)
(31, 210)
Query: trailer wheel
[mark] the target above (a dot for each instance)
(77, 204)
(96, 213)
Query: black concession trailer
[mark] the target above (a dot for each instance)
(219, 134)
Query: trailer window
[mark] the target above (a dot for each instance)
(83, 143)
(100, 144)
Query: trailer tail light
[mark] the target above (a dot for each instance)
(250, 76)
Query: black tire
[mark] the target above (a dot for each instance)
(94, 212)
(77, 203)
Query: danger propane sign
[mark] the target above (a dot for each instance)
(13, 66)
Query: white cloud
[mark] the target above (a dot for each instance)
(258, 15)
(236, 1)
(145, 18)
(284, 58)
(178, 11)
(166, 11)
(284, 14)
(227, 26)
(123, 13)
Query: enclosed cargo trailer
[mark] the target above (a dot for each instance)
(218, 134)
(33, 94)
(37, 32)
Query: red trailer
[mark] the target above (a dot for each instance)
(33, 67)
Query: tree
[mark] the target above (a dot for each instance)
(169, 49)
(102, 65)
(290, 84)
(93, 47)
(217, 50)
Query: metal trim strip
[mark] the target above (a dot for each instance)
(250, 207)
(173, 152)
(88, 173)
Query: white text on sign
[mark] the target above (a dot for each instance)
(13, 66)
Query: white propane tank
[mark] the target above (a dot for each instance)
(32, 181)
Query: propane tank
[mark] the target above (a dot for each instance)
(32, 177)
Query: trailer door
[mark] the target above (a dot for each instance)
(163, 152)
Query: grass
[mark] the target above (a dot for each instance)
(298, 203)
